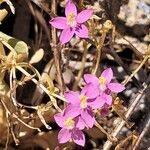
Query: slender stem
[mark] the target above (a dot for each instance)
(136, 70)
(16, 117)
(99, 49)
(146, 128)
(39, 84)
(120, 62)
(59, 97)
(136, 51)
(108, 143)
(82, 66)
(56, 50)
(9, 47)
(102, 129)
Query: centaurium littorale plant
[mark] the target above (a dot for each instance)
(105, 85)
(72, 126)
(79, 112)
(73, 23)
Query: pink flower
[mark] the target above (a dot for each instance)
(71, 128)
(84, 102)
(72, 23)
(105, 85)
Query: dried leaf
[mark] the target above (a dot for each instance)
(10, 5)
(3, 14)
(37, 56)
(19, 46)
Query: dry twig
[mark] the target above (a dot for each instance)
(118, 128)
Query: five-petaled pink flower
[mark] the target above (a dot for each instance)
(71, 127)
(105, 85)
(80, 101)
(72, 23)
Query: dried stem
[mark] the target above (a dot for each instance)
(56, 50)
(137, 52)
(99, 49)
(101, 129)
(82, 66)
(118, 128)
(8, 132)
(120, 62)
(136, 70)
(146, 128)
(16, 117)
(40, 85)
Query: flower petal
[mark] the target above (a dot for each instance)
(59, 119)
(72, 97)
(97, 103)
(89, 78)
(64, 135)
(108, 99)
(87, 116)
(66, 35)
(82, 31)
(72, 111)
(107, 74)
(90, 91)
(84, 15)
(70, 8)
(80, 123)
(59, 22)
(116, 87)
(78, 137)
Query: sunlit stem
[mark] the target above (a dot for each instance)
(82, 66)
(112, 139)
(58, 96)
(136, 70)
(39, 84)
(99, 49)
(9, 47)
(16, 117)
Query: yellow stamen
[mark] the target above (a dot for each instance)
(71, 19)
(69, 123)
(102, 81)
(83, 101)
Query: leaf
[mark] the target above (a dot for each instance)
(19, 46)
(3, 14)
(10, 5)
(37, 56)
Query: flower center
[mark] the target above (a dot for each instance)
(69, 123)
(102, 82)
(71, 20)
(83, 101)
